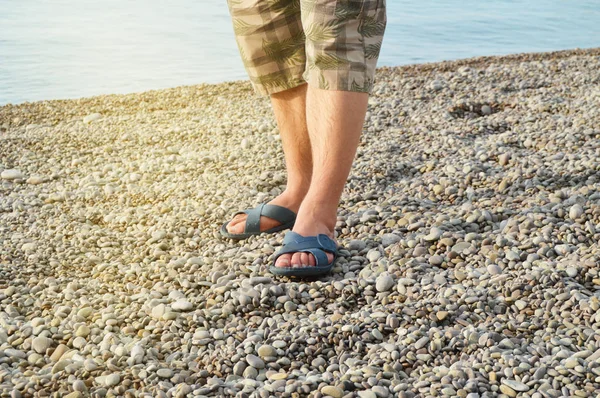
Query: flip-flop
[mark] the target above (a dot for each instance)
(318, 246)
(285, 216)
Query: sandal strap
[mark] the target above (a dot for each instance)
(253, 219)
(279, 213)
(318, 246)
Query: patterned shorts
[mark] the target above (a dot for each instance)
(331, 44)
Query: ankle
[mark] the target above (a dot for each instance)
(321, 213)
(294, 195)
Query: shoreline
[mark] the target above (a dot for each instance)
(416, 68)
(469, 231)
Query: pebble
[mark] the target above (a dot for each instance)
(12, 174)
(357, 245)
(109, 380)
(41, 343)
(332, 391)
(165, 373)
(266, 350)
(367, 394)
(92, 117)
(503, 159)
(575, 212)
(83, 331)
(373, 255)
(494, 269)
(436, 260)
(182, 305)
(389, 239)
(255, 361)
(384, 282)
(515, 385)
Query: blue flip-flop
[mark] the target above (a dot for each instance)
(285, 216)
(318, 246)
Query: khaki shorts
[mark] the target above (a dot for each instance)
(331, 44)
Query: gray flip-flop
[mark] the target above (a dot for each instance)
(285, 216)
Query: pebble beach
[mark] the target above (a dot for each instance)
(469, 232)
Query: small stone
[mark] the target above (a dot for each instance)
(503, 159)
(59, 352)
(384, 282)
(111, 380)
(570, 363)
(266, 350)
(494, 269)
(28, 247)
(461, 247)
(92, 117)
(575, 212)
(79, 385)
(520, 304)
(85, 312)
(373, 255)
(182, 305)
(40, 344)
(90, 365)
(250, 373)
(434, 234)
(441, 315)
(158, 311)
(238, 368)
(332, 391)
(290, 306)
(83, 331)
(389, 239)
(165, 373)
(486, 110)
(74, 394)
(367, 394)
(515, 385)
(245, 143)
(380, 391)
(255, 361)
(357, 245)
(572, 272)
(436, 260)
(508, 391)
(35, 180)
(437, 85)
(460, 275)
(422, 342)
(12, 174)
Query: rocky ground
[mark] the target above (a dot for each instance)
(470, 226)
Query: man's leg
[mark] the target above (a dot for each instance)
(289, 107)
(335, 120)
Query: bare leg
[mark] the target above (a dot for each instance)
(335, 120)
(289, 107)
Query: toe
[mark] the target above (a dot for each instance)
(237, 224)
(329, 258)
(304, 259)
(283, 261)
(311, 261)
(296, 260)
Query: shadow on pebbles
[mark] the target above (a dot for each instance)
(469, 226)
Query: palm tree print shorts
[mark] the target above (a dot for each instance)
(331, 44)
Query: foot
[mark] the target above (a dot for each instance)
(308, 223)
(238, 223)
